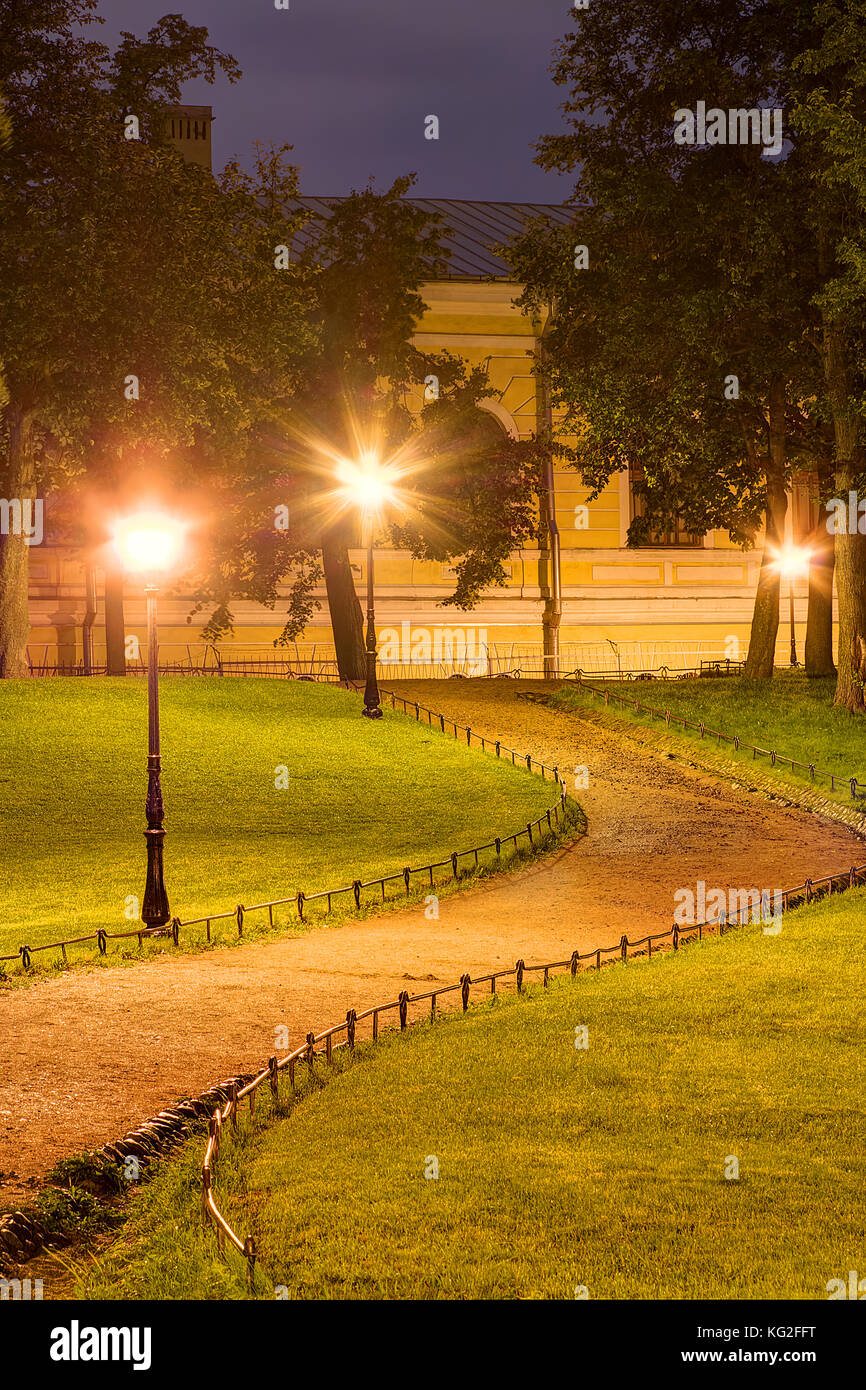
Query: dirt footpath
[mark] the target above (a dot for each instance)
(87, 1055)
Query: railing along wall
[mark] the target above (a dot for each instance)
(856, 785)
(562, 814)
(225, 1119)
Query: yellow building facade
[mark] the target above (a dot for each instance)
(612, 607)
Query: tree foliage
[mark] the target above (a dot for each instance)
(693, 345)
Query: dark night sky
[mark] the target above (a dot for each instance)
(349, 82)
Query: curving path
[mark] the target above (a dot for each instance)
(88, 1055)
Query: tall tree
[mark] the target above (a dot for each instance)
(162, 347)
(74, 189)
(468, 491)
(703, 273)
(830, 109)
(374, 252)
(5, 132)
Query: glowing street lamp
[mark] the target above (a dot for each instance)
(150, 545)
(793, 561)
(370, 487)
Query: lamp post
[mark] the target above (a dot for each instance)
(369, 486)
(793, 628)
(150, 545)
(154, 909)
(793, 560)
(372, 707)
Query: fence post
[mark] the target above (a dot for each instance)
(520, 969)
(575, 957)
(311, 1050)
(205, 1189)
(250, 1257)
(351, 1016)
(465, 982)
(624, 946)
(676, 937)
(239, 913)
(406, 872)
(404, 1008)
(274, 1077)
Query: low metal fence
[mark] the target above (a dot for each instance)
(225, 1118)
(856, 786)
(461, 658)
(562, 814)
(209, 662)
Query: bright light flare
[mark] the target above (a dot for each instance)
(793, 560)
(149, 543)
(367, 484)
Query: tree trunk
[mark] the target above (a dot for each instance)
(850, 546)
(20, 482)
(115, 625)
(851, 589)
(347, 621)
(765, 618)
(819, 622)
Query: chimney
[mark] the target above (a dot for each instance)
(188, 129)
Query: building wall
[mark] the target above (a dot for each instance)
(642, 607)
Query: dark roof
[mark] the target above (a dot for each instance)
(469, 231)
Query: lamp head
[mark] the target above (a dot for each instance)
(149, 543)
(793, 560)
(366, 483)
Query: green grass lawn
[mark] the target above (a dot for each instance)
(790, 715)
(560, 1168)
(363, 798)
